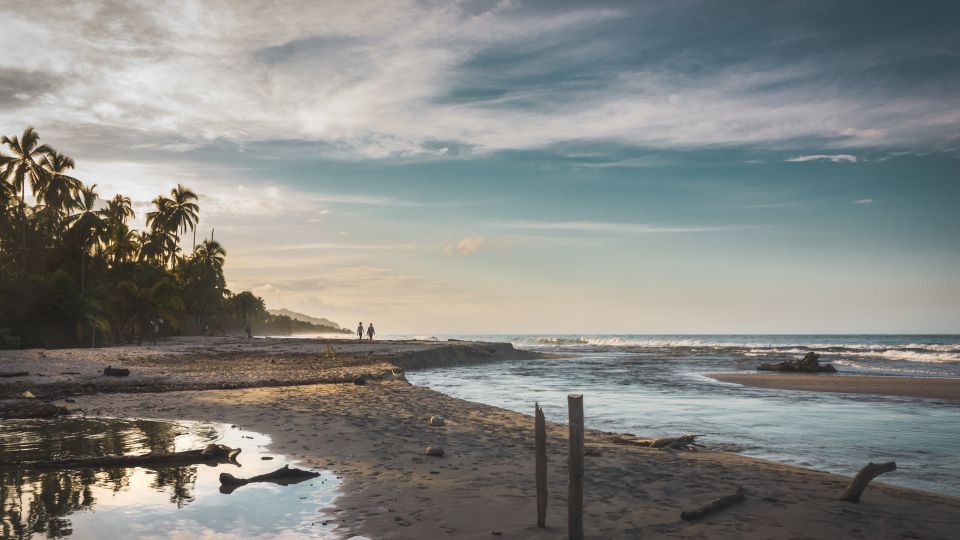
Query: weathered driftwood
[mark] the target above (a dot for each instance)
(683, 442)
(29, 408)
(713, 506)
(9, 374)
(865, 476)
(116, 372)
(283, 476)
(213, 453)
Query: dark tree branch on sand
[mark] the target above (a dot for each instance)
(713, 506)
(865, 476)
(283, 476)
(213, 453)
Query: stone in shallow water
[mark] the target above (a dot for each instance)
(436, 420)
(435, 451)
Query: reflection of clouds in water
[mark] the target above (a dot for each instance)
(162, 502)
(207, 534)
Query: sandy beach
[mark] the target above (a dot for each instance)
(373, 436)
(920, 387)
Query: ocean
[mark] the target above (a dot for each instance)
(655, 385)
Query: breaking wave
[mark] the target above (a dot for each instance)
(755, 346)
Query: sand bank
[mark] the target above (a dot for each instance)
(374, 435)
(931, 388)
(197, 363)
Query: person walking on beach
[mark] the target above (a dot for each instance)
(370, 332)
(360, 332)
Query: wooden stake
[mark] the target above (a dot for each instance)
(541, 451)
(575, 494)
(866, 474)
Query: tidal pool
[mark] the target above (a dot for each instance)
(177, 502)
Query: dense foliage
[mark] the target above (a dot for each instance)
(73, 271)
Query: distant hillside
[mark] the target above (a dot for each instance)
(319, 321)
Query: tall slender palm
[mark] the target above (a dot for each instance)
(25, 169)
(183, 212)
(58, 190)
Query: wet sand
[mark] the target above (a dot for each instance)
(197, 363)
(374, 435)
(930, 388)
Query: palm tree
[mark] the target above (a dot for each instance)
(157, 219)
(183, 213)
(211, 255)
(246, 304)
(86, 225)
(58, 190)
(158, 246)
(7, 199)
(118, 210)
(122, 244)
(159, 300)
(23, 169)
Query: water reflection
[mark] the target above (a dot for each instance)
(163, 501)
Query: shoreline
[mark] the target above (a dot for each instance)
(373, 435)
(915, 387)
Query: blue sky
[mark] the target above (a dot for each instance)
(442, 167)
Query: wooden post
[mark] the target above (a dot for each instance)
(575, 494)
(541, 451)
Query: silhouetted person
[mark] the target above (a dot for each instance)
(360, 332)
(370, 332)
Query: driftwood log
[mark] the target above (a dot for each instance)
(867, 473)
(29, 408)
(9, 374)
(713, 506)
(283, 476)
(116, 372)
(683, 442)
(213, 453)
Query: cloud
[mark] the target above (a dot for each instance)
(467, 246)
(612, 227)
(863, 201)
(836, 158)
(429, 79)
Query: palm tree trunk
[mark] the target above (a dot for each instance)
(23, 224)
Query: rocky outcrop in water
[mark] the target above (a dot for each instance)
(810, 363)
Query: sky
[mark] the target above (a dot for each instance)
(529, 166)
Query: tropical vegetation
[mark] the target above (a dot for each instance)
(74, 270)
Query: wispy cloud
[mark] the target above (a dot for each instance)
(613, 227)
(471, 245)
(863, 201)
(836, 158)
(393, 75)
